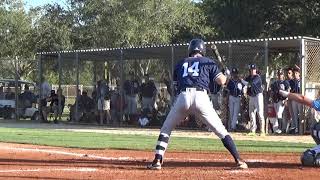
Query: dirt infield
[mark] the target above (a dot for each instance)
(29, 162)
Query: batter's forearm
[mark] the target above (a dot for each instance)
(300, 98)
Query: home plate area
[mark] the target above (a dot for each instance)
(19, 161)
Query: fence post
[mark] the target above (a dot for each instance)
(77, 86)
(266, 68)
(302, 84)
(121, 87)
(59, 85)
(16, 88)
(172, 69)
(41, 118)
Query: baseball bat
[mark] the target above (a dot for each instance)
(221, 61)
(216, 53)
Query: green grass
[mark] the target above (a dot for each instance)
(136, 142)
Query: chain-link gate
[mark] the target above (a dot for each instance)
(312, 80)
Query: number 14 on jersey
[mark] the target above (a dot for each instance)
(192, 70)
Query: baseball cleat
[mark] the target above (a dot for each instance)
(278, 131)
(155, 165)
(242, 165)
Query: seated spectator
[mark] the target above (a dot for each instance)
(73, 109)
(27, 98)
(10, 95)
(56, 108)
(86, 107)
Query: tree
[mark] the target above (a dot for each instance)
(255, 19)
(15, 48)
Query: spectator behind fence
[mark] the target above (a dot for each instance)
(87, 107)
(75, 113)
(45, 93)
(117, 105)
(288, 108)
(9, 94)
(166, 79)
(131, 89)
(296, 106)
(54, 105)
(103, 96)
(2, 94)
(27, 98)
(148, 94)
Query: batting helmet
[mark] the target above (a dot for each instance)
(308, 158)
(196, 46)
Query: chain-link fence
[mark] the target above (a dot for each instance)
(79, 72)
(311, 66)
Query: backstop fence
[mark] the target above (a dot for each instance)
(79, 71)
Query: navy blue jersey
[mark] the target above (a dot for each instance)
(214, 87)
(195, 72)
(235, 87)
(131, 87)
(148, 89)
(254, 85)
(279, 85)
(295, 85)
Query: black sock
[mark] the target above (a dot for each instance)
(229, 144)
(158, 156)
(280, 123)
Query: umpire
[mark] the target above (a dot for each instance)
(254, 91)
(235, 89)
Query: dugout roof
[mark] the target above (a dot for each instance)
(173, 51)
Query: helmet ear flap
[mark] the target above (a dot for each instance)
(197, 46)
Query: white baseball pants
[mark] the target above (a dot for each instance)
(256, 106)
(194, 102)
(296, 111)
(234, 107)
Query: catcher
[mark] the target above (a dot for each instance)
(310, 157)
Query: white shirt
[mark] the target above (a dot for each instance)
(45, 90)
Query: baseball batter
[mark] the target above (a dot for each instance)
(191, 78)
(310, 157)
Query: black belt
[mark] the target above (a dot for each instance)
(197, 89)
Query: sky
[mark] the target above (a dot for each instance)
(34, 3)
